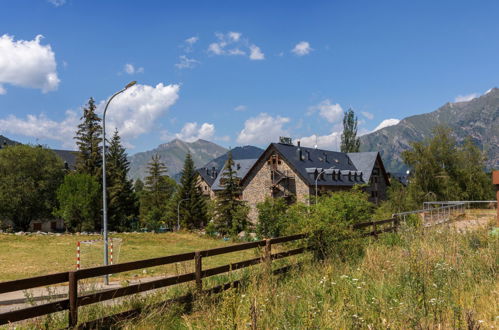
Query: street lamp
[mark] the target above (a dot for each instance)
(178, 212)
(317, 178)
(104, 188)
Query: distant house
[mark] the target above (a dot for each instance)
(206, 179)
(241, 169)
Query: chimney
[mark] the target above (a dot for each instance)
(213, 172)
(298, 144)
(308, 154)
(238, 166)
(299, 152)
(325, 157)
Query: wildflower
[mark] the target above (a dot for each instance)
(344, 276)
(243, 295)
(355, 315)
(329, 311)
(333, 283)
(481, 321)
(354, 279)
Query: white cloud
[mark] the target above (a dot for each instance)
(256, 53)
(368, 115)
(41, 127)
(331, 112)
(191, 40)
(57, 3)
(192, 132)
(302, 48)
(188, 44)
(329, 142)
(386, 123)
(232, 43)
(465, 98)
(263, 129)
(27, 63)
(240, 108)
(135, 112)
(3, 91)
(130, 69)
(186, 62)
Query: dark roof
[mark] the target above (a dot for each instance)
(68, 156)
(208, 175)
(313, 161)
(241, 167)
(364, 161)
(401, 177)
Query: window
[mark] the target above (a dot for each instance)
(37, 226)
(53, 225)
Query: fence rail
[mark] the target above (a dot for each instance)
(75, 301)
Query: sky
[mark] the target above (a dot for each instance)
(237, 73)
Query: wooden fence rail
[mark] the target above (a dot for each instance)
(75, 301)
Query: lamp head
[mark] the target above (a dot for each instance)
(130, 84)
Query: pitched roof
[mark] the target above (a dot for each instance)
(208, 175)
(68, 156)
(364, 161)
(308, 162)
(241, 167)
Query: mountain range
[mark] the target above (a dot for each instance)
(477, 118)
(173, 155)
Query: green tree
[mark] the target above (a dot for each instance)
(231, 213)
(158, 190)
(88, 139)
(29, 177)
(122, 201)
(271, 217)
(193, 207)
(349, 140)
(79, 198)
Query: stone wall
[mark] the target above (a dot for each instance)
(258, 183)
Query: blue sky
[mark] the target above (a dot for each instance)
(238, 73)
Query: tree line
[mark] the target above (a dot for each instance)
(35, 184)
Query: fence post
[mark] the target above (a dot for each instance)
(396, 223)
(199, 267)
(374, 230)
(268, 254)
(73, 298)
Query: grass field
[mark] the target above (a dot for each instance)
(32, 255)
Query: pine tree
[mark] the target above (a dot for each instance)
(158, 189)
(231, 212)
(88, 139)
(122, 204)
(192, 207)
(349, 140)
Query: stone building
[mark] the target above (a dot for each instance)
(206, 178)
(296, 173)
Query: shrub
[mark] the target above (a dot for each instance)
(271, 217)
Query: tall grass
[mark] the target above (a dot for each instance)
(434, 279)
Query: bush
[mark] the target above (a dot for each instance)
(271, 217)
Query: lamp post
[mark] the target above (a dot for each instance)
(104, 188)
(317, 178)
(178, 212)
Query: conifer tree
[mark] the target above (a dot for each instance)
(88, 139)
(158, 189)
(349, 140)
(123, 204)
(192, 207)
(231, 212)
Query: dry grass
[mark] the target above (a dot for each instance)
(33, 255)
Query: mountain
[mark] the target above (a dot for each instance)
(478, 118)
(173, 155)
(246, 152)
(6, 141)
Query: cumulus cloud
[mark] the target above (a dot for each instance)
(368, 115)
(240, 108)
(2, 90)
(131, 69)
(256, 53)
(386, 123)
(232, 43)
(57, 3)
(186, 62)
(302, 48)
(41, 127)
(136, 111)
(329, 142)
(327, 110)
(263, 129)
(27, 63)
(465, 98)
(192, 132)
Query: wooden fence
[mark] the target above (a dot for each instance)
(74, 300)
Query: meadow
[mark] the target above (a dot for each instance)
(418, 279)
